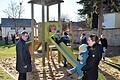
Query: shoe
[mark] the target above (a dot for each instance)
(79, 77)
(65, 65)
(104, 58)
(69, 72)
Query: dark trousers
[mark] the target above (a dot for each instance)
(22, 76)
(65, 62)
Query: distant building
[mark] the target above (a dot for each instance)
(11, 26)
(79, 25)
(111, 20)
(74, 25)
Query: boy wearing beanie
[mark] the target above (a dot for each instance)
(82, 57)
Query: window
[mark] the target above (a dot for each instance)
(23, 28)
(12, 28)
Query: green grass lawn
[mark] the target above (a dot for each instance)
(7, 50)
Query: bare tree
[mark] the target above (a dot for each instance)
(14, 11)
(65, 18)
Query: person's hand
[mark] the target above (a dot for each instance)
(25, 66)
(81, 62)
(80, 57)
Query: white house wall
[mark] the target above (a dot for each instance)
(4, 31)
(7, 31)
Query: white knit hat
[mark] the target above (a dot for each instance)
(83, 47)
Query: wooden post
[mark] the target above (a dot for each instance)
(72, 35)
(32, 16)
(59, 56)
(47, 13)
(48, 53)
(47, 43)
(43, 33)
(59, 22)
(39, 32)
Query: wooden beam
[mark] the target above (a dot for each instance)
(43, 32)
(47, 43)
(46, 2)
(32, 16)
(59, 11)
(47, 13)
(72, 35)
(59, 22)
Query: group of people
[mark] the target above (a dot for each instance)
(90, 54)
(23, 58)
(102, 41)
(91, 51)
(14, 38)
(64, 38)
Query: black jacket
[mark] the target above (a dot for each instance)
(23, 57)
(91, 67)
(104, 42)
(65, 39)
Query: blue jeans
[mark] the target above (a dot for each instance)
(77, 69)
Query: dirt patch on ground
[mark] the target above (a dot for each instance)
(52, 70)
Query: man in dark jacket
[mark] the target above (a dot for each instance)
(104, 44)
(23, 58)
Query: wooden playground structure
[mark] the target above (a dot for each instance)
(42, 31)
(43, 41)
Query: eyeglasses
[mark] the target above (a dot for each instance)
(26, 36)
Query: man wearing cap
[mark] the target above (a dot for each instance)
(23, 58)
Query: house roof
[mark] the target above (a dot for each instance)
(46, 2)
(81, 24)
(10, 22)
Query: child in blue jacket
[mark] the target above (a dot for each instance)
(82, 57)
(56, 36)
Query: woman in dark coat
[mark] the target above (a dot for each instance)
(95, 55)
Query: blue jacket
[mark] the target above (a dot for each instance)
(85, 56)
(23, 57)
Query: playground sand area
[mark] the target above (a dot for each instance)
(52, 70)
